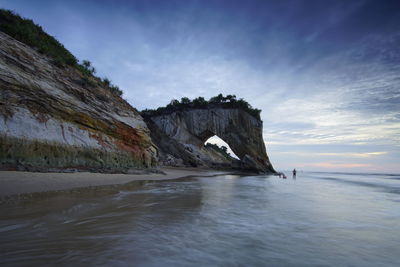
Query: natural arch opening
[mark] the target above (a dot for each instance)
(221, 144)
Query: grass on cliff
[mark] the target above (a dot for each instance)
(228, 101)
(33, 35)
(27, 32)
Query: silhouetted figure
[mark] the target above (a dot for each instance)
(294, 173)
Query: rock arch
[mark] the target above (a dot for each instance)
(216, 140)
(190, 128)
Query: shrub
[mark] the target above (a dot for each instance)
(106, 82)
(115, 90)
(185, 101)
(88, 68)
(200, 102)
(220, 149)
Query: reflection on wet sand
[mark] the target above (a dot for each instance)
(223, 220)
(64, 226)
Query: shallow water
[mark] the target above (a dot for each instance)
(319, 219)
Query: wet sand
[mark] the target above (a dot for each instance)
(15, 182)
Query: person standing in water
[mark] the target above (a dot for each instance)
(294, 173)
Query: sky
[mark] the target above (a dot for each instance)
(326, 74)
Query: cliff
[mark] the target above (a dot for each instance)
(55, 116)
(181, 134)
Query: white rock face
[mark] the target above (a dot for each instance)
(23, 124)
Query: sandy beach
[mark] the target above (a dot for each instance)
(16, 182)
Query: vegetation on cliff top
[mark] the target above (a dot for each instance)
(223, 150)
(31, 34)
(228, 101)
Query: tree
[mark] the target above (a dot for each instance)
(106, 82)
(217, 99)
(200, 101)
(87, 65)
(231, 98)
(172, 105)
(185, 101)
(243, 104)
(174, 102)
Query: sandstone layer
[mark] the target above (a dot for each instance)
(54, 117)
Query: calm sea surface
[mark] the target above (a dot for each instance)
(319, 219)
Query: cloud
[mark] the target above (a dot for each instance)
(337, 154)
(354, 155)
(327, 75)
(330, 165)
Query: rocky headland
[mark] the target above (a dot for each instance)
(180, 135)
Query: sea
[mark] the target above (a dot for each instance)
(315, 219)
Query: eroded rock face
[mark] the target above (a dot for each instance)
(57, 108)
(176, 131)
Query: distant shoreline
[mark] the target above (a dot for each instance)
(16, 185)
